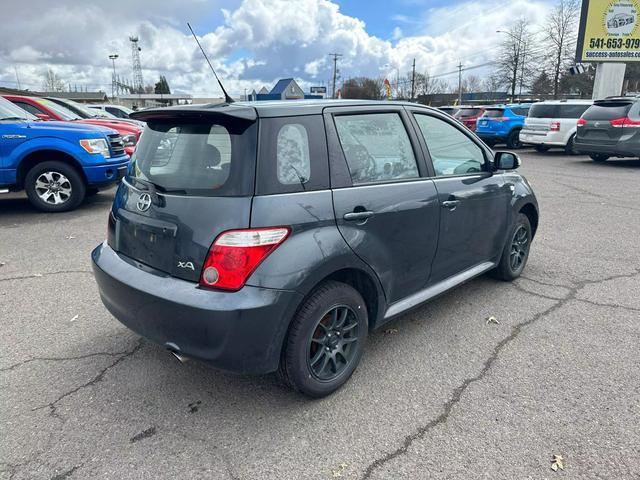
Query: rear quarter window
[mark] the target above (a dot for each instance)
(571, 111)
(292, 155)
(522, 111)
(543, 111)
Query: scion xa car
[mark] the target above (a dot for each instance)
(273, 236)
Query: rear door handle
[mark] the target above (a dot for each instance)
(450, 204)
(356, 216)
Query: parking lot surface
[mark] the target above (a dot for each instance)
(440, 393)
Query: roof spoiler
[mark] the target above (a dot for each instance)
(197, 112)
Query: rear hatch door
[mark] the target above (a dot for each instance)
(492, 120)
(538, 121)
(191, 178)
(596, 125)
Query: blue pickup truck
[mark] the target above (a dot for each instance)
(57, 163)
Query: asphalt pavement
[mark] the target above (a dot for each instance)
(441, 393)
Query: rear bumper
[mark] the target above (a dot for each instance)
(540, 139)
(236, 331)
(107, 172)
(620, 149)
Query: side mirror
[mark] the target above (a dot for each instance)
(43, 116)
(506, 161)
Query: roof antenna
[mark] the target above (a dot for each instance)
(227, 98)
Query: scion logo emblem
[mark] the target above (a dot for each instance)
(144, 202)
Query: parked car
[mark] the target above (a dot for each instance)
(83, 111)
(273, 236)
(468, 116)
(502, 124)
(57, 163)
(119, 111)
(620, 20)
(610, 128)
(449, 109)
(48, 110)
(553, 124)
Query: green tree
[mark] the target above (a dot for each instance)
(542, 85)
(162, 86)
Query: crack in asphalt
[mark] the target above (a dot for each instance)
(41, 275)
(98, 378)
(66, 474)
(61, 359)
(458, 392)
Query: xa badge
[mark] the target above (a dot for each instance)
(144, 202)
(186, 265)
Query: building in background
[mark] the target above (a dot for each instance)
(284, 89)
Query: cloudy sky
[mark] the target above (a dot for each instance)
(250, 42)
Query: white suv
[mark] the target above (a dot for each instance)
(553, 124)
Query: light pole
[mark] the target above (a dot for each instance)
(514, 80)
(113, 57)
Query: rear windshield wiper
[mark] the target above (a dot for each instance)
(154, 188)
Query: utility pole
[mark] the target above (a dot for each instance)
(413, 79)
(113, 57)
(15, 68)
(460, 83)
(335, 56)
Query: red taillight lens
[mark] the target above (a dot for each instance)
(555, 127)
(235, 254)
(624, 122)
(581, 122)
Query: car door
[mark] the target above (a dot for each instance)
(385, 205)
(474, 201)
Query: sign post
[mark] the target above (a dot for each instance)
(610, 35)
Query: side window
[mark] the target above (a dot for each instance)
(572, 111)
(114, 111)
(292, 155)
(293, 163)
(451, 151)
(520, 111)
(377, 147)
(29, 108)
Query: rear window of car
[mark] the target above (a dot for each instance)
(494, 112)
(200, 158)
(542, 110)
(468, 112)
(607, 111)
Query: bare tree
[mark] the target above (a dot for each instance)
(560, 39)
(52, 82)
(493, 83)
(471, 84)
(428, 85)
(513, 62)
(363, 87)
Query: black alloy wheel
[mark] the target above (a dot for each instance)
(333, 343)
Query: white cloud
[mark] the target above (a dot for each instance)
(257, 41)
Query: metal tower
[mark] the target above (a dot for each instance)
(138, 83)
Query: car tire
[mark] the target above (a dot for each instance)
(541, 148)
(599, 157)
(570, 148)
(54, 186)
(325, 340)
(516, 251)
(513, 140)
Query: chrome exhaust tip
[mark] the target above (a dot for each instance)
(181, 358)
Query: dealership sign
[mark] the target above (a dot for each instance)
(318, 90)
(609, 31)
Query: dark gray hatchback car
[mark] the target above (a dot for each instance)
(273, 236)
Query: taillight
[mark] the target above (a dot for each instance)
(555, 127)
(624, 122)
(581, 122)
(235, 254)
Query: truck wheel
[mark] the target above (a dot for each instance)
(598, 157)
(325, 341)
(541, 148)
(513, 140)
(54, 187)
